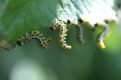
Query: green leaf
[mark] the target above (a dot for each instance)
(20, 16)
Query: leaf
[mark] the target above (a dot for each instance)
(21, 16)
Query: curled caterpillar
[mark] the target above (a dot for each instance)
(43, 42)
(100, 37)
(60, 24)
(79, 32)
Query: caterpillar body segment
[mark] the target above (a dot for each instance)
(44, 42)
(79, 34)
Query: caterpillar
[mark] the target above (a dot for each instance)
(79, 32)
(100, 37)
(36, 35)
(62, 35)
(5, 45)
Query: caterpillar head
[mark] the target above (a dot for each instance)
(71, 22)
(56, 24)
(85, 21)
(21, 41)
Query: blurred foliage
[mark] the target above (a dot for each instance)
(82, 62)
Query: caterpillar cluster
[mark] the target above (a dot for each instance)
(105, 32)
(60, 24)
(78, 24)
(99, 24)
(36, 35)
